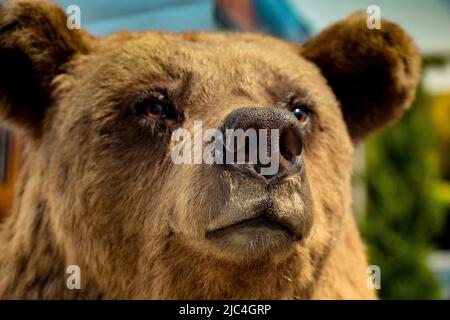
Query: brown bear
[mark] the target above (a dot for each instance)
(99, 189)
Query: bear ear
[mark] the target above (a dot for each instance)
(34, 46)
(373, 72)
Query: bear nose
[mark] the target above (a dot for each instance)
(279, 137)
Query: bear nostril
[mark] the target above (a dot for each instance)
(290, 144)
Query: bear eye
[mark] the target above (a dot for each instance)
(301, 114)
(154, 108)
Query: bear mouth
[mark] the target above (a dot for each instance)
(261, 235)
(263, 221)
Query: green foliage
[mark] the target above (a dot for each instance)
(403, 215)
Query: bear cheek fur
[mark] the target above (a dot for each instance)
(100, 203)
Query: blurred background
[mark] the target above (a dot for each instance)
(401, 176)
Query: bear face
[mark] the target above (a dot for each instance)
(99, 115)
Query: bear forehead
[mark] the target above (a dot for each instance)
(206, 65)
(217, 55)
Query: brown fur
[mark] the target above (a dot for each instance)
(98, 190)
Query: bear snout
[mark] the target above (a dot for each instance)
(278, 143)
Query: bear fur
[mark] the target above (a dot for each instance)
(98, 188)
